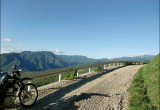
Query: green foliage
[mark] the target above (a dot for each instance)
(144, 91)
(43, 81)
(97, 69)
(72, 74)
(82, 71)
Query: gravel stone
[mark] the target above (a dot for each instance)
(107, 90)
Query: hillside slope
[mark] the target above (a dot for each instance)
(32, 61)
(45, 60)
(144, 92)
(80, 60)
(42, 60)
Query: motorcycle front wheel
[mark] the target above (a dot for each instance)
(28, 95)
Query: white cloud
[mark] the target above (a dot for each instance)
(141, 54)
(4, 51)
(7, 50)
(57, 51)
(40, 49)
(10, 50)
(13, 47)
(7, 40)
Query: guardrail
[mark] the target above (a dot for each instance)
(61, 71)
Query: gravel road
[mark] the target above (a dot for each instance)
(107, 90)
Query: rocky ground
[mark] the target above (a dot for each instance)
(107, 90)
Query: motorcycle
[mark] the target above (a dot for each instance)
(13, 89)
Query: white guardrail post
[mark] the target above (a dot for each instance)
(29, 87)
(59, 78)
(89, 70)
(77, 73)
(104, 66)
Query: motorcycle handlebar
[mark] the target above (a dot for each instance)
(15, 65)
(15, 71)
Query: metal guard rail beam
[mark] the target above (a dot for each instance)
(69, 69)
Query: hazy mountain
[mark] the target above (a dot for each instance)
(45, 60)
(80, 60)
(136, 58)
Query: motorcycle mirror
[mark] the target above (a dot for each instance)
(14, 66)
(18, 63)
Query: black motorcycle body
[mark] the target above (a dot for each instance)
(13, 89)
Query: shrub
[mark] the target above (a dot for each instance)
(72, 74)
(97, 69)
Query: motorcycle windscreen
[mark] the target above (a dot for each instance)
(3, 79)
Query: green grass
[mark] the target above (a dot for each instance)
(144, 91)
(46, 80)
(51, 76)
(82, 71)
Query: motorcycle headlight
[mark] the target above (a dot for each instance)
(19, 72)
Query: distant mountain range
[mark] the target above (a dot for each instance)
(45, 60)
(137, 58)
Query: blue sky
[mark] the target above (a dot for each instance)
(93, 28)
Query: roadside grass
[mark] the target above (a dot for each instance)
(82, 71)
(144, 90)
(46, 80)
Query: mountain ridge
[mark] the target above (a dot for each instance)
(45, 60)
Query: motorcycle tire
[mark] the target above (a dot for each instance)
(28, 95)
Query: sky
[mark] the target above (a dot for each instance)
(92, 28)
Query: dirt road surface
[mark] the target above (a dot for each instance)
(107, 90)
